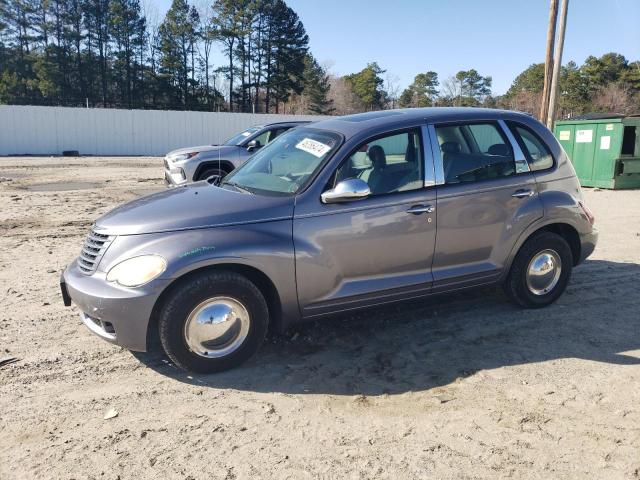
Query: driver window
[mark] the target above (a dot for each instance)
(388, 164)
(474, 152)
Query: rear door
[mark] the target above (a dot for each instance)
(486, 199)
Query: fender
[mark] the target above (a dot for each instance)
(266, 248)
(559, 208)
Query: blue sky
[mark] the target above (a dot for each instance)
(496, 37)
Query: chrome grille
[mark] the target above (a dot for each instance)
(94, 247)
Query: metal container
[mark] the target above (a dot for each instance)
(604, 149)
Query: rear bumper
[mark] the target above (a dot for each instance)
(588, 243)
(116, 314)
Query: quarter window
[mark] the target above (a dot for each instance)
(474, 152)
(538, 154)
(388, 164)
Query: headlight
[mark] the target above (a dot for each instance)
(137, 271)
(183, 156)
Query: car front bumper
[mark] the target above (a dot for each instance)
(173, 175)
(116, 314)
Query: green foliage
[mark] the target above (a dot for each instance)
(422, 92)
(474, 88)
(607, 83)
(601, 71)
(288, 45)
(367, 85)
(530, 80)
(177, 35)
(316, 87)
(103, 52)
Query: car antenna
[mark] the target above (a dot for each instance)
(219, 168)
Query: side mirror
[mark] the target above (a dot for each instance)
(346, 191)
(253, 145)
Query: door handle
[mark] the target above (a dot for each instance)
(418, 209)
(522, 193)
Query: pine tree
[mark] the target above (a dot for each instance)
(422, 92)
(176, 36)
(367, 85)
(287, 47)
(316, 87)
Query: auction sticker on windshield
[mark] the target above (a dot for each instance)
(313, 147)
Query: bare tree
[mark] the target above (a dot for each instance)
(614, 97)
(345, 101)
(392, 87)
(450, 92)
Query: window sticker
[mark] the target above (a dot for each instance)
(246, 134)
(584, 136)
(565, 134)
(605, 142)
(313, 147)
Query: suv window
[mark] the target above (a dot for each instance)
(277, 132)
(474, 152)
(268, 136)
(263, 138)
(538, 155)
(388, 164)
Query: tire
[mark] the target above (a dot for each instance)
(234, 305)
(530, 291)
(209, 172)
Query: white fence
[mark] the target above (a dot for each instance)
(27, 130)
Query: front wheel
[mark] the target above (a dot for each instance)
(211, 172)
(213, 322)
(540, 272)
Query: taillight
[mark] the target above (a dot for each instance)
(590, 216)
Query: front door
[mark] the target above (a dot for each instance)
(488, 198)
(371, 250)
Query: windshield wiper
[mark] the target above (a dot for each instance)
(239, 187)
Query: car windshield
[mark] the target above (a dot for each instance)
(285, 165)
(241, 137)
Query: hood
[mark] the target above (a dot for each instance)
(198, 205)
(223, 149)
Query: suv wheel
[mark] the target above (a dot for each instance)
(210, 172)
(540, 272)
(213, 322)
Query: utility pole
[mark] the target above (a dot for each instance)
(557, 64)
(548, 61)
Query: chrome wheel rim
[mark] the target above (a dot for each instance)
(544, 272)
(216, 327)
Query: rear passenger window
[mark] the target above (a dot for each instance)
(474, 152)
(388, 164)
(538, 155)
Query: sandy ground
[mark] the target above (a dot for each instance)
(464, 386)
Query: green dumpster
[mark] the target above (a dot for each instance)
(604, 150)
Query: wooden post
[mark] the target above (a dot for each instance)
(548, 60)
(557, 64)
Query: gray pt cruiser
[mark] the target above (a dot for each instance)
(346, 213)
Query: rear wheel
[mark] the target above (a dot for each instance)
(213, 322)
(540, 272)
